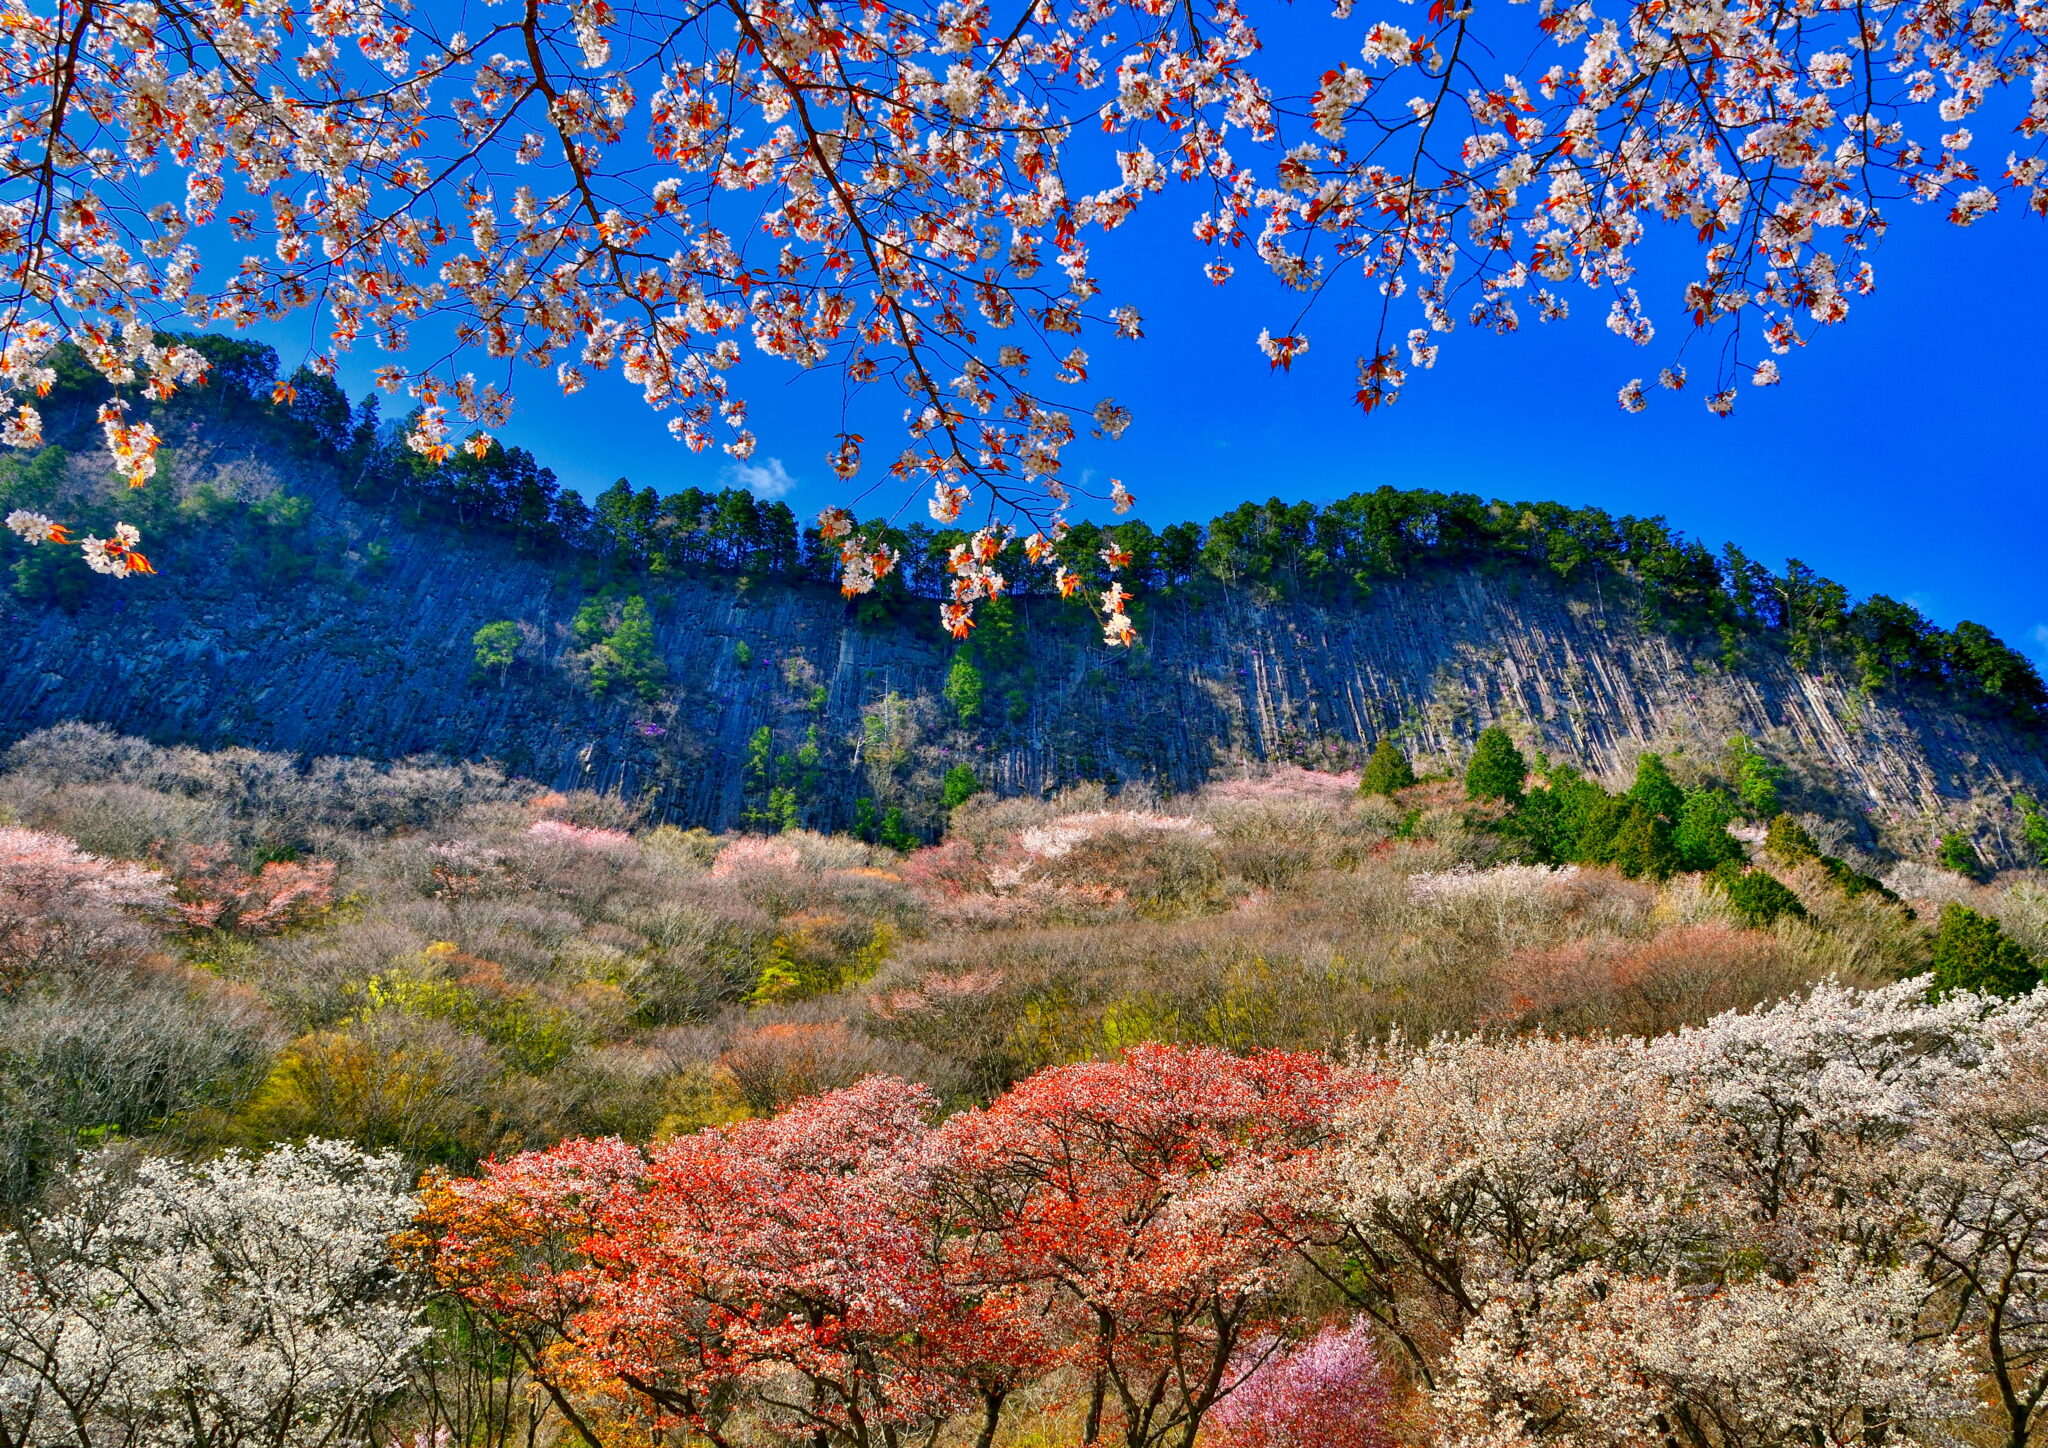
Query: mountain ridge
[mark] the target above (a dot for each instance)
(296, 615)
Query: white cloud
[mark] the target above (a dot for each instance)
(765, 479)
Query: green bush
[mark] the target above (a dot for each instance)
(1497, 768)
(1756, 896)
(1701, 833)
(1971, 953)
(1958, 854)
(959, 786)
(496, 645)
(1788, 842)
(1853, 882)
(2033, 828)
(963, 688)
(895, 831)
(1756, 779)
(628, 660)
(1654, 789)
(1386, 771)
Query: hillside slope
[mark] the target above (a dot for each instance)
(370, 653)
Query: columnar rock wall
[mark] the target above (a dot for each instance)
(380, 666)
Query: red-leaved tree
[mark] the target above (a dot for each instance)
(786, 1268)
(1151, 1199)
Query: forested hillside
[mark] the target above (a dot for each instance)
(321, 589)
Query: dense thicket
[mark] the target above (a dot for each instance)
(1301, 550)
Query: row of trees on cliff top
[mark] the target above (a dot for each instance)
(1817, 1224)
(1299, 549)
(912, 196)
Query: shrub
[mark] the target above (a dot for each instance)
(1642, 988)
(1755, 895)
(1971, 953)
(1700, 834)
(1958, 854)
(1497, 769)
(959, 786)
(1654, 788)
(496, 645)
(775, 1065)
(1788, 843)
(1386, 771)
(386, 1080)
(963, 688)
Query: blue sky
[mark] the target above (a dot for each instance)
(1904, 452)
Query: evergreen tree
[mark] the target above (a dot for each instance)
(1971, 953)
(963, 688)
(1655, 790)
(959, 786)
(1386, 770)
(1640, 844)
(895, 831)
(1958, 854)
(2033, 828)
(628, 658)
(1616, 830)
(1788, 843)
(1701, 835)
(1756, 779)
(1554, 820)
(1497, 768)
(496, 645)
(1756, 897)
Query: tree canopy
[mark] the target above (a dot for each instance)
(909, 195)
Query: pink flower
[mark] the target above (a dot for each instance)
(1328, 1392)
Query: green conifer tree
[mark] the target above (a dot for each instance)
(1788, 842)
(959, 786)
(1386, 770)
(2033, 827)
(1958, 854)
(1640, 845)
(1497, 768)
(1757, 897)
(1701, 834)
(1971, 953)
(1655, 790)
(628, 658)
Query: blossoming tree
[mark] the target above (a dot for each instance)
(906, 192)
(241, 1303)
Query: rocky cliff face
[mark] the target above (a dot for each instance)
(380, 664)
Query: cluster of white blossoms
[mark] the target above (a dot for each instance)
(116, 556)
(244, 1302)
(1782, 1223)
(554, 190)
(971, 565)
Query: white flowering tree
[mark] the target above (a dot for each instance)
(906, 192)
(1826, 1360)
(1820, 1221)
(240, 1303)
(1979, 1179)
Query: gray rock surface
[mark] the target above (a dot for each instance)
(379, 665)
